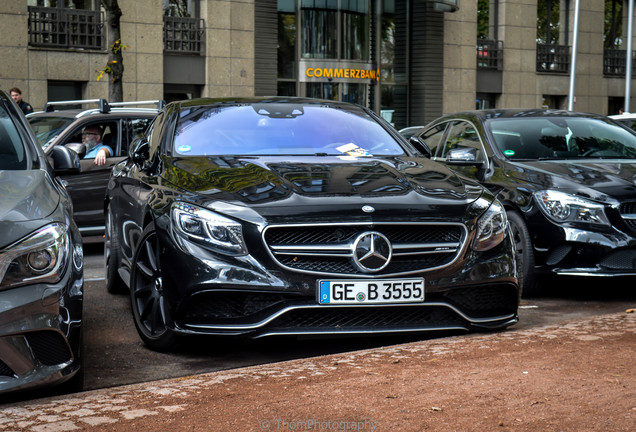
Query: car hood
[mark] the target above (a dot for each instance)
(276, 184)
(27, 198)
(593, 178)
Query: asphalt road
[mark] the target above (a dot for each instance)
(114, 354)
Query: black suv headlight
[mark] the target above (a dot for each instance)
(208, 228)
(491, 227)
(41, 257)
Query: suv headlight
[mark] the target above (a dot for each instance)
(41, 257)
(491, 227)
(205, 227)
(562, 207)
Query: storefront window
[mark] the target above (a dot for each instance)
(355, 23)
(320, 29)
(326, 90)
(354, 93)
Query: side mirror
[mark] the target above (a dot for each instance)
(65, 161)
(139, 151)
(420, 146)
(78, 148)
(464, 156)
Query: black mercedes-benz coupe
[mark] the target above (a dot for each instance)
(567, 180)
(288, 216)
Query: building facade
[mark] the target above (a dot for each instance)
(409, 60)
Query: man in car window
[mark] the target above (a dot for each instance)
(92, 139)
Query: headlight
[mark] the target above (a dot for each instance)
(491, 227)
(40, 257)
(208, 228)
(562, 207)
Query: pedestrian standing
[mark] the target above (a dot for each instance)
(16, 95)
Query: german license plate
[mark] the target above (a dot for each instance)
(371, 291)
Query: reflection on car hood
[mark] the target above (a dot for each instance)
(25, 197)
(612, 177)
(392, 182)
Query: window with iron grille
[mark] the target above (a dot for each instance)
(182, 32)
(553, 30)
(183, 35)
(615, 61)
(489, 54)
(553, 58)
(57, 27)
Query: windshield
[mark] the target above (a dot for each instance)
(561, 138)
(48, 128)
(12, 152)
(282, 129)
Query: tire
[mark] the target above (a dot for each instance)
(114, 283)
(524, 255)
(146, 294)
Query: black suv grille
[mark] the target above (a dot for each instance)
(328, 249)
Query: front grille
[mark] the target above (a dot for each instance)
(49, 347)
(328, 249)
(366, 318)
(5, 370)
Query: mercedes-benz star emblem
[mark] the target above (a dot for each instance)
(371, 252)
(368, 209)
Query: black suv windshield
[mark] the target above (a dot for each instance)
(281, 129)
(562, 138)
(47, 128)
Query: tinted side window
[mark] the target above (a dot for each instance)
(134, 128)
(433, 137)
(462, 135)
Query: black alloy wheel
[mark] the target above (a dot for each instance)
(114, 283)
(524, 256)
(146, 294)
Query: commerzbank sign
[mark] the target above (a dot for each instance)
(313, 71)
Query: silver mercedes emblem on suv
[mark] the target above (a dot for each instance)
(371, 252)
(368, 209)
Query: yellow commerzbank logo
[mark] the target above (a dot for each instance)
(342, 73)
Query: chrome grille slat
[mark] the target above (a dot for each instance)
(326, 249)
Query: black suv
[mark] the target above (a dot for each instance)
(63, 122)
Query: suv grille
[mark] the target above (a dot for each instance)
(328, 249)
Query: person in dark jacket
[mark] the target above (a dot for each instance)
(16, 95)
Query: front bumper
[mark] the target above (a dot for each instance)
(253, 297)
(570, 251)
(40, 333)
(267, 314)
